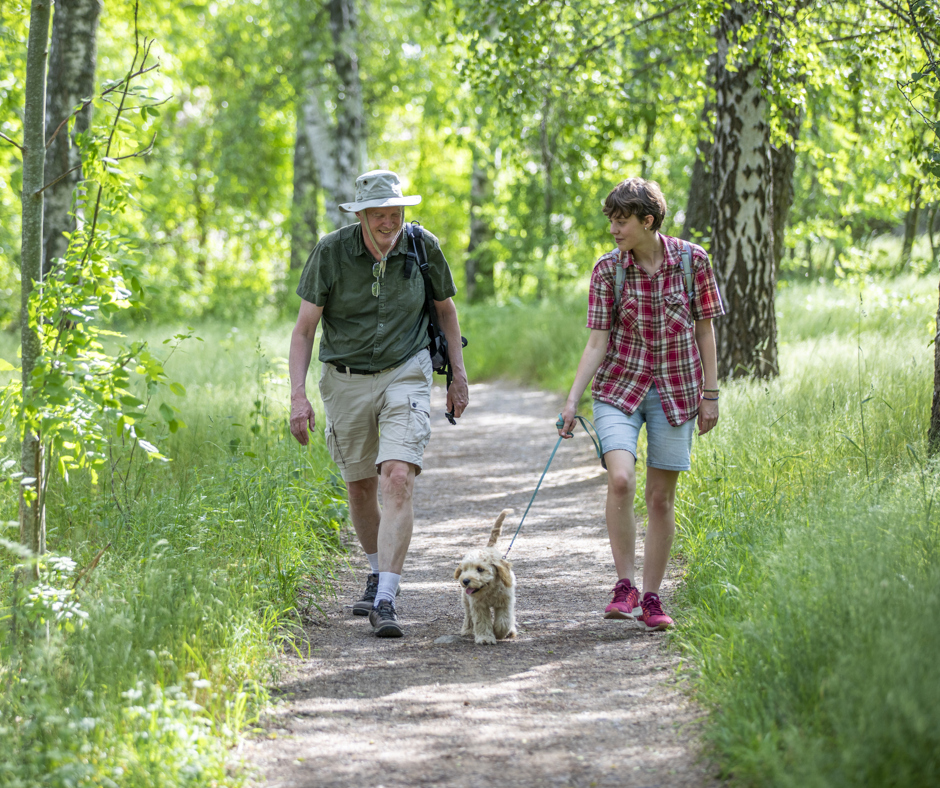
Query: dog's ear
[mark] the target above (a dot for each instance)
(457, 573)
(503, 572)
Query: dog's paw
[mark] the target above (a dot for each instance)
(484, 640)
(466, 631)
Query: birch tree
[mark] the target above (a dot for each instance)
(71, 80)
(32, 516)
(742, 203)
(350, 131)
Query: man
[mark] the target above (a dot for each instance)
(375, 379)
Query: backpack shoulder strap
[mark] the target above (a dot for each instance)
(685, 254)
(420, 254)
(618, 285)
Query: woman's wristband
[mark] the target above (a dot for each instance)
(711, 399)
(711, 391)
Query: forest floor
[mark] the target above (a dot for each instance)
(574, 700)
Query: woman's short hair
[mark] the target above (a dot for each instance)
(636, 197)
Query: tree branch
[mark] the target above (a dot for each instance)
(856, 37)
(136, 155)
(14, 144)
(104, 93)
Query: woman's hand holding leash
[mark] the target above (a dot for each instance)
(565, 423)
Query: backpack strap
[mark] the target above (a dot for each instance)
(618, 286)
(685, 254)
(419, 253)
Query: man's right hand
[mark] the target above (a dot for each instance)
(302, 418)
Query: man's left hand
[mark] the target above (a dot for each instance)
(458, 394)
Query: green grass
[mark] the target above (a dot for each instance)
(808, 534)
(209, 563)
(810, 540)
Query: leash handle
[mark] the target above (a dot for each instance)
(588, 428)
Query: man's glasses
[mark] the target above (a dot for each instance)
(377, 271)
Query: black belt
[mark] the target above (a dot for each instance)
(351, 371)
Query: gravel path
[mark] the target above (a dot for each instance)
(574, 700)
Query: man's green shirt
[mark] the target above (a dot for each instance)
(360, 330)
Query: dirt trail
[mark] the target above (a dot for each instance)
(574, 700)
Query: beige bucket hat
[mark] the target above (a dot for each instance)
(378, 189)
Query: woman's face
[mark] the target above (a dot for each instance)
(629, 231)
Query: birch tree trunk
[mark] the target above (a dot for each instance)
(933, 432)
(32, 515)
(742, 209)
(479, 265)
(304, 230)
(72, 63)
(349, 148)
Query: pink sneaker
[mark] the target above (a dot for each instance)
(626, 602)
(652, 614)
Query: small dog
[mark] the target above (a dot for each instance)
(488, 591)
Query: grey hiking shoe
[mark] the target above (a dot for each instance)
(384, 621)
(364, 606)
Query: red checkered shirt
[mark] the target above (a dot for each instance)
(653, 338)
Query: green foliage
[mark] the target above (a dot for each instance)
(806, 510)
(923, 88)
(176, 622)
(808, 533)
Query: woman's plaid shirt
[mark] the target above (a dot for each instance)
(652, 340)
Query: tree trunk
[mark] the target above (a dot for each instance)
(350, 133)
(479, 266)
(697, 227)
(933, 434)
(911, 220)
(783, 162)
(304, 230)
(699, 205)
(547, 152)
(933, 220)
(32, 515)
(72, 62)
(742, 209)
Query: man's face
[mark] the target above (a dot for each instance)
(385, 223)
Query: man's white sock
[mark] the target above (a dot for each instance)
(373, 562)
(388, 588)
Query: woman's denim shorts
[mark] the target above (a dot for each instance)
(668, 448)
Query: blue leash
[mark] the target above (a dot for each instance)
(559, 424)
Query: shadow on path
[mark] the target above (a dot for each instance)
(574, 700)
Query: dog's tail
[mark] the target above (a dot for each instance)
(497, 527)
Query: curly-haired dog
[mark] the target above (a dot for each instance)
(488, 591)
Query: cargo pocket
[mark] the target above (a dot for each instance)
(420, 420)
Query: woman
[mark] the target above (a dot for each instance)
(654, 362)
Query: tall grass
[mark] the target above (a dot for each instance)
(143, 671)
(810, 540)
(808, 533)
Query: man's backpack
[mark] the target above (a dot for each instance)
(685, 254)
(437, 342)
